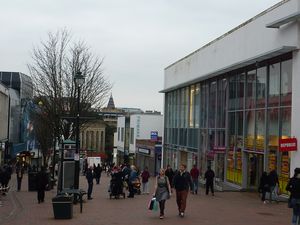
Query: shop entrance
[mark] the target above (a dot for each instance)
(255, 169)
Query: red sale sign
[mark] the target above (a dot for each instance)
(289, 144)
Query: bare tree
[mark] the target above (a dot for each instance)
(54, 64)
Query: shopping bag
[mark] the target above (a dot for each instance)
(152, 205)
(155, 206)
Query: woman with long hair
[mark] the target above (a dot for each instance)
(162, 191)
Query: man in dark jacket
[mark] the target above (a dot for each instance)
(182, 183)
(19, 172)
(41, 184)
(274, 184)
(170, 174)
(209, 177)
(90, 178)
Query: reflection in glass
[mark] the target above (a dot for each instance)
(261, 86)
(232, 92)
(260, 130)
(286, 83)
(197, 105)
(274, 83)
(240, 91)
(250, 128)
(192, 113)
(250, 97)
(286, 122)
(212, 104)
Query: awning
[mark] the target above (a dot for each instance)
(290, 18)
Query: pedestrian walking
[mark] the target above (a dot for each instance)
(56, 169)
(145, 180)
(90, 178)
(209, 178)
(19, 172)
(264, 186)
(274, 185)
(41, 184)
(98, 171)
(195, 176)
(293, 187)
(162, 191)
(182, 182)
(132, 178)
(170, 174)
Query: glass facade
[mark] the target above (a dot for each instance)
(233, 122)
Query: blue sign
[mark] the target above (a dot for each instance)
(154, 135)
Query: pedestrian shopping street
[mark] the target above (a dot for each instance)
(225, 208)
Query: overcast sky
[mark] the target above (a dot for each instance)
(137, 38)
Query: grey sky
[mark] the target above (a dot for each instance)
(137, 38)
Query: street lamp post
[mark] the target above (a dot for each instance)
(79, 80)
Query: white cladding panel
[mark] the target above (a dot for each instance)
(246, 42)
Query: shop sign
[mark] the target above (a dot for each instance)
(289, 144)
(210, 155)
(154, 135)
(219, 149)
(144, 151)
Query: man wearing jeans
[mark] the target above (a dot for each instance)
(274, 184)
(182, 182)
(195, 176)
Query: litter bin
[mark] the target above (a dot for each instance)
(62, 207)
(32, 181)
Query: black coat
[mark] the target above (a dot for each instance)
(89, 175)
(264, 185)
(41, 180)
(182, 181)
(294, 187)
(209, 176)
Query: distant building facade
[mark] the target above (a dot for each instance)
(20, 95)
(130, 128)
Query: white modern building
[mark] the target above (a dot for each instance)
(133, 127)
(231, 103)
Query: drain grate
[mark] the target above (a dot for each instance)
(265, 214)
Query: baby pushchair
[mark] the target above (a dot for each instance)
(116, 187)
(136, 186)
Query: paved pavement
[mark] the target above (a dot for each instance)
(225, 208)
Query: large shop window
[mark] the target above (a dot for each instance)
(286, 83)
(240, 91)
(273, 137)
(203, 106)
(284, 156)
(274, 84)
(221, 103)
(250, 130)
(234, 153)
(197, 106)
(261, 87)
(212, 104)
(251, 82)
(260, 131)
(191, 111)
(232, 92)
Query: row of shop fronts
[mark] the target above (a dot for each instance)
(231, 109)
